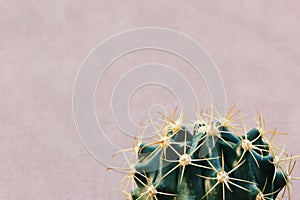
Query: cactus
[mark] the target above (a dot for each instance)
(212, 162)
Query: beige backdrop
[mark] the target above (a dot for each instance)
(42, 44)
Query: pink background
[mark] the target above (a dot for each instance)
(42, 44)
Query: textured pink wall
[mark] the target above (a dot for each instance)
(42, 44)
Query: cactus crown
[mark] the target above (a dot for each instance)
(212, 162)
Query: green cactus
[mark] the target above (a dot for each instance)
(214, 162)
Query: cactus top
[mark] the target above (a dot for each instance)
(211, 162)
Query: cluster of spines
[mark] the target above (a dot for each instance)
(154, 168)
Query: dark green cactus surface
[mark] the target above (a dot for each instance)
(212, 162)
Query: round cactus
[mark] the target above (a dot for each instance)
(211, 162)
